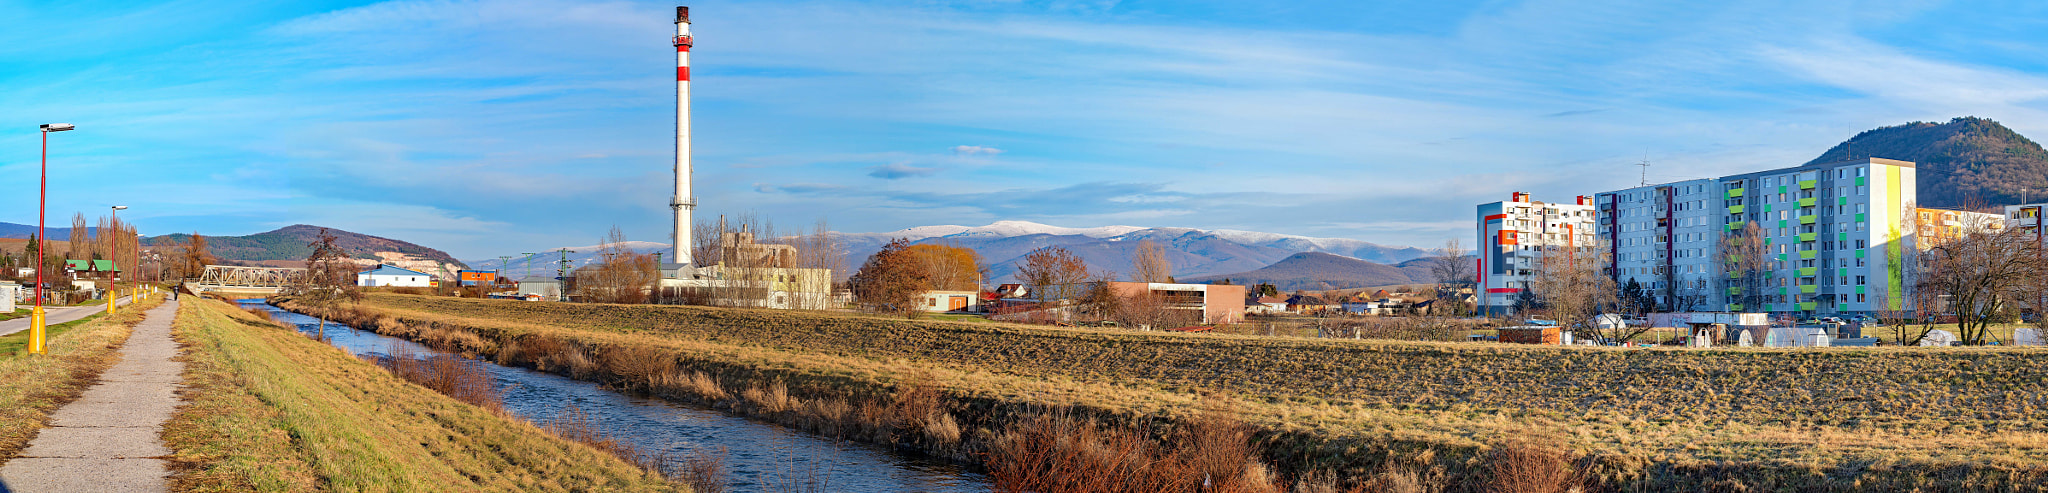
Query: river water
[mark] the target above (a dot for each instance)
(758, 456)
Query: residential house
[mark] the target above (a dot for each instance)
(1265, 305)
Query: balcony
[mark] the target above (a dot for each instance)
(1808, 184)
(1735, 209)
(1734, 291)
(1808, 289)
(1735, 193)
(1807, 271)
(1808, 219)
(1808, 254)
(1808, 306)
(1807, 236)
(1806, 202)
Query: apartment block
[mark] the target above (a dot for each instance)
(1836, 235)
(1935, 226)
(1513, 237)
(2027, 217)
(1664, 237)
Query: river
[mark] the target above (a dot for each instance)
(758, 456)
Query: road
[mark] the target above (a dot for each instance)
(56, 315)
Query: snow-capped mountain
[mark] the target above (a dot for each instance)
(1193, 252)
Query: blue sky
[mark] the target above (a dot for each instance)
(491, 127)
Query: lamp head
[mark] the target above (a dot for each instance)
(58, 127)
(120, 207)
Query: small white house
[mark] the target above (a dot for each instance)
(387, 275)
(949, 301)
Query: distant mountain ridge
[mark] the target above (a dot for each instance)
(1317, 271)
(288, 246)
(1968, 161)
(1002, 245)
(1193, 252)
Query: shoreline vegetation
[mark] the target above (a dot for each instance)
(269, 409)
(1315, 414)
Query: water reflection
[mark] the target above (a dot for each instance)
(758, 457)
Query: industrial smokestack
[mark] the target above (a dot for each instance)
(683, 202)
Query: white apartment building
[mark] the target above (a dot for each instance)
(1665, 237)
(1512, 237)
(1836, 234)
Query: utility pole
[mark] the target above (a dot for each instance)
(562, 274)
(528, 262)
(500, 276)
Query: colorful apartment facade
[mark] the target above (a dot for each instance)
(1515, 234)
(1836, 236)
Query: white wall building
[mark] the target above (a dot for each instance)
(387, 275)
(1512, 238)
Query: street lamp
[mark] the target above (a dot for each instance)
(113, 288)
(38, 335)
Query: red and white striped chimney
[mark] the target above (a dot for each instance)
(683, 202)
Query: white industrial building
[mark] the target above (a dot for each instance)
(389, 275)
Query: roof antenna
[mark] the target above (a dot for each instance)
(1646, 169)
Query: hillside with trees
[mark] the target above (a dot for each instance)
(290, 245)
(1967, 158)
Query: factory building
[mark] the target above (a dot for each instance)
(1514, 235)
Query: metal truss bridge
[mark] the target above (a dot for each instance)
(245, 280)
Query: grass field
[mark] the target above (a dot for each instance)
(33, 386)
(1650, 418)
(271, 410)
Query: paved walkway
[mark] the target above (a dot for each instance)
(56, 315)
(107, 440)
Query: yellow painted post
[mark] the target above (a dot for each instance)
(36, 335)
(113, 296)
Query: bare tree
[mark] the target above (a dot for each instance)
(622, 276)
(1570, 285)
(330, 279)
(1746, 267)
(1150, 264)
(1053, 273)
(1981, 276)
(193, 256)
(79, 246)
(1453, 271)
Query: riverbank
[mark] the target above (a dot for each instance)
(1633, 419)
(269, 409)
(36, 385)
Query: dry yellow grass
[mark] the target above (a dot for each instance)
(1889, 418)
(271, 410)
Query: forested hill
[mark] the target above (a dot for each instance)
(290, 243)
(1968, 161)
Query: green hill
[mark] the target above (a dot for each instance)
(1967, 162)
(290, 244)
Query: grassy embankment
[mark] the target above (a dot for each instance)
(33, 386)
(1645, 419)
(268, 409)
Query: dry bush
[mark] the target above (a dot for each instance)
(772, 400)
(638, 364)
(1059, 453)
(703, 470)
(261, 314)
(464, 379)
(1219, 447)
(705, 386)
(415, 291)
(1524, 466)
(917, 402)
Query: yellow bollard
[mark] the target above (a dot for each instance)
(113, 298)
(37, 339)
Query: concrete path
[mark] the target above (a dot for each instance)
(107, 441)
(56, 315)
